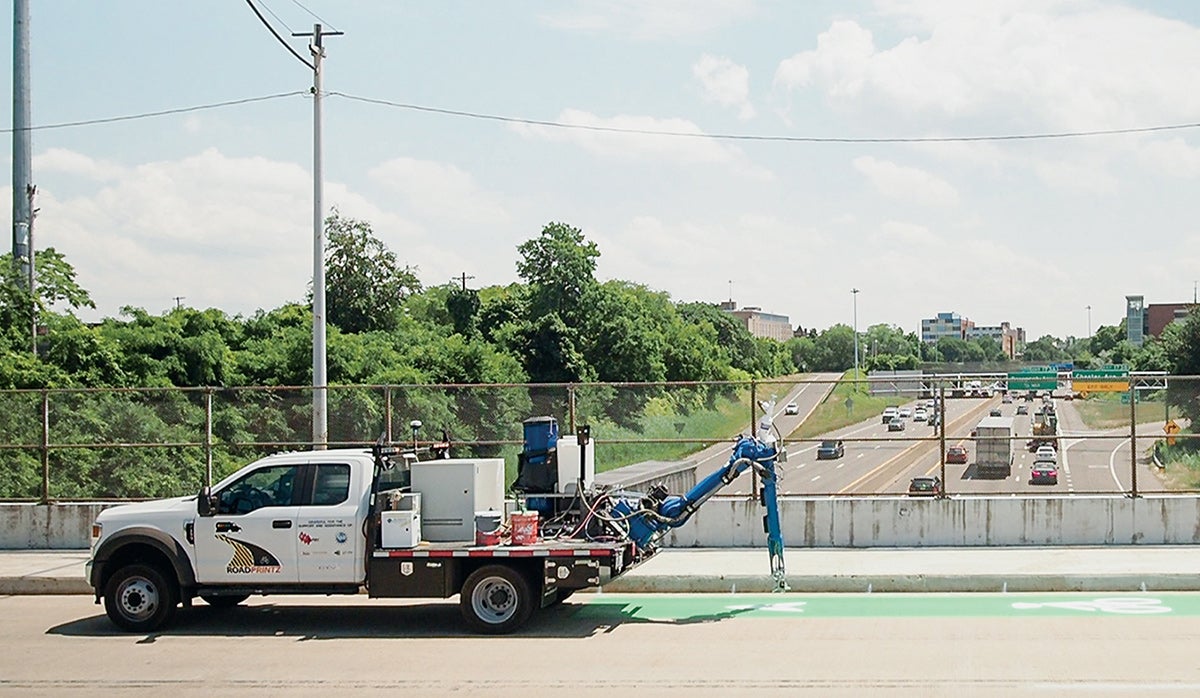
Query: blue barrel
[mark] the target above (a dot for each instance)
(541, 435)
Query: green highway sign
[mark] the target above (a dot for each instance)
(1033, 379)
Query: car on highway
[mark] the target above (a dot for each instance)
(1022, 409)
(889, 413)
(956, 454)
(1007, 399)
(1044, 471)
(791, 408)
(831, 450)
(1046, 453)
(895, 424)
(925, 486)
(919, 415)
(995, 412)
(905, 412)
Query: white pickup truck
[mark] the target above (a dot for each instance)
(310, 523)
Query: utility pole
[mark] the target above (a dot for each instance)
(463, 277)
(178, 301)
(320, 380)
(30, 191)
(21, 156)
(854, 291)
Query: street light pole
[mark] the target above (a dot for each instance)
(854, 292)
(1089, 309)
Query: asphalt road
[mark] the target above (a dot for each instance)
(882, 462)
(665, 645)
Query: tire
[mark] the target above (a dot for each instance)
(224, 601)
(496, 599)
(140, 598)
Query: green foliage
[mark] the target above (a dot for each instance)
(559, 267)
(365, 286)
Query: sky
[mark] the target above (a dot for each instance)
(214, 207)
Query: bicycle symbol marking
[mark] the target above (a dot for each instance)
(1138, 605)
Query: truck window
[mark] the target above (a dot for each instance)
(332, 485)
(273, 486)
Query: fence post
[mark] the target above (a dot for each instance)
(208, 440)
(45, 446)
(387, 413)
(571, 406)
(753, 407)
(941, 413)
(1133, 439)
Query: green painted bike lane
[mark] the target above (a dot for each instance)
(683, 607)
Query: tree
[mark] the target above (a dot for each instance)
(952, 349)
(559, 266)
(1045, 348)
(365, 286)
(1181, 342)
(835, 349)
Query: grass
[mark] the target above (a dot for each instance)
(832, 413)
(1108, 412)
(1182, 461)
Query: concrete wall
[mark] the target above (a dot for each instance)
(906, 522)
(855, 523)
(47, 526)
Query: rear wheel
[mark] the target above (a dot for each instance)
(224, 601)
(140, 598)
(496, 599)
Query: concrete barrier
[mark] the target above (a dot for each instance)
(890, 522)
(957, 522)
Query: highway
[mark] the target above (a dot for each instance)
(881, 462)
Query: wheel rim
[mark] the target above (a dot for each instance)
(494, 600)
(138, 598)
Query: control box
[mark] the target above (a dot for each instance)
(400, 529)
(452, 491)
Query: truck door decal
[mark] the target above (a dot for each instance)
(249, 558)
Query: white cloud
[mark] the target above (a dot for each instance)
(905, 235)
(725, 83)
(60, 160)
(1066, 65)
(637, 143)
(660, 19)
(906, 183)
(439, 192)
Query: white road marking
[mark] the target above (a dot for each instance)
(1112, 464)
(815, 478)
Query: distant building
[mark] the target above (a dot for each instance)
(945, 325)
(760, 324)
(1135, 320)
(1159, 315)
(1009, 338)
(954, 325)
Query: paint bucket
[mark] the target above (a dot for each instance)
(487, 527)
(524, 527)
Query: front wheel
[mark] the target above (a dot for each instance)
(496, 599)
(140, 598)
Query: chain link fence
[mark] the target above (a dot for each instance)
(119, 444)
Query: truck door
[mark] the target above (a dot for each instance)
(252, 537)
(329, 541)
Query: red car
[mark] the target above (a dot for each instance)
(956, 454)
(1044, 472)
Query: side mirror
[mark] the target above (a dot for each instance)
(205, 502)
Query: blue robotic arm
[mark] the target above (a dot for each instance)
(659, 512)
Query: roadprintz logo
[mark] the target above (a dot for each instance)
(250, 559)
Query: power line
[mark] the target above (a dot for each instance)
(283, 41)
(277, 17)
(313, 15)
(753, 137)
(164, 112)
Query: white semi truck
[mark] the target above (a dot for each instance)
(994, 447)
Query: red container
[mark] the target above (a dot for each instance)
(487, 527)
(524, 527)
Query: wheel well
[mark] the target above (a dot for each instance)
(528, 568)
(138, 553)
